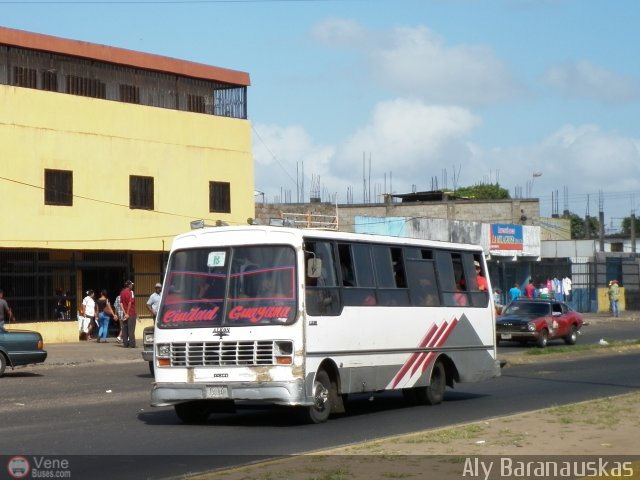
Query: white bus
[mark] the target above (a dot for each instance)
(304, 318)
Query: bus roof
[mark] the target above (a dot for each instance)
(254, 234)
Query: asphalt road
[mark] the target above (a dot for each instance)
(97, 414)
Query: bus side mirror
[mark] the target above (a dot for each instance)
(314, 267)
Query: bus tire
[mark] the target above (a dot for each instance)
(434, 393)
(3, 364)
(321, 409)
(193, 413)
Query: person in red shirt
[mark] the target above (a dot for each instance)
(529, 289)
(130, 317)
(480, 280)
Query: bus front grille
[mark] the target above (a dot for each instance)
(209, 354)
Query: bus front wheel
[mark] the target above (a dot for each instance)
(321, 409)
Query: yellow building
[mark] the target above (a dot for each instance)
(106, 155)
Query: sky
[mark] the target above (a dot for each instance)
(353, 99)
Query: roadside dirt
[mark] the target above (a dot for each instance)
(606, 427)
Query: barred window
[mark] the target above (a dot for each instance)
(25, 77)
(58, 187)
(50, 81)
(130, 93)
(220, 197)
(87, 87)
(140, 192)
(195, 103)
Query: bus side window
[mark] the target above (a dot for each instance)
(422, 283)
(357, 274)
(451, 278)
(390, 275)
(322, 295)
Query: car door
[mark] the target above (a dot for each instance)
(560, 319)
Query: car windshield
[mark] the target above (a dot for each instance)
(527, 308)
(229, 286)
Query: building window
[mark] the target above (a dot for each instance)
(87, 87)
(58, 187)
(50, 81)
(129, 93)
(25, 77)
(220, 197)
(195, 103)
(140, 192)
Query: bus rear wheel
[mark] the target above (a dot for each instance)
(321, 409)
(434, 393)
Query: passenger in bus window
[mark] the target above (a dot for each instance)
(460, 297)
(428, 294)
(480, 280)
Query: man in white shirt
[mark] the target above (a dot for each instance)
(154, 301)
(88, 314)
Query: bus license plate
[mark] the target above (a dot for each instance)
(505, 336)
(216, 391)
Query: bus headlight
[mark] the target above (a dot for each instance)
(163, 350)
(283, 352)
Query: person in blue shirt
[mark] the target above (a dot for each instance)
(515, 292)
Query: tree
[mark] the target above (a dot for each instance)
(626, 227)
(578, 226)
(483, 191)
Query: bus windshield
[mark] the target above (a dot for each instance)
(215, 286)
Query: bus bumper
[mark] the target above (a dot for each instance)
(277, 393)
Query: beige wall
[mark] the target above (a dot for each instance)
(103, 142)
(66, 332)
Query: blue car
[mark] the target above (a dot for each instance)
(20, 347)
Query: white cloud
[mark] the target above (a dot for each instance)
(415, 61)
(583, 79)
(584, 159)
(405, 139)
(281, 156)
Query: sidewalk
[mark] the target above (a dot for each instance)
(83, 352)
(91, 352)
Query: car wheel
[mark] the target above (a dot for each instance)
(193, 413)
(572, 336)
(434, 393)
(3, 364)
(321, 409)
(151, 369)
(543, 338)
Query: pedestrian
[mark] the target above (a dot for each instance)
(130, 317)
(529, 289)
(614, 297)
(497, 301)
(154, 301)
(515, 292)
(5, 312)
(117, 305)
(87, 315)
(105, 314)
